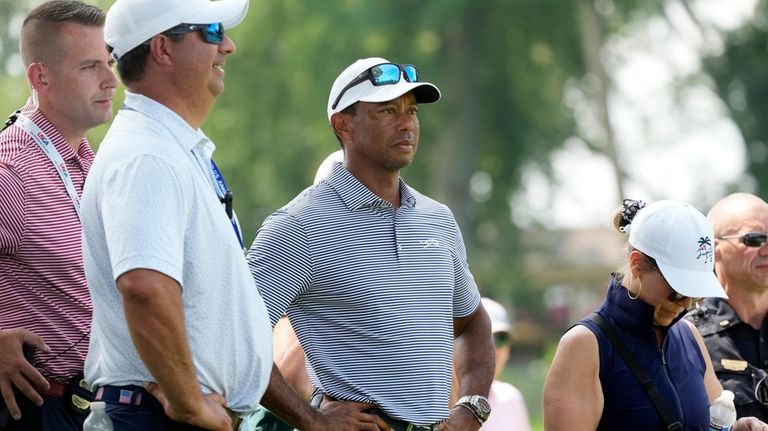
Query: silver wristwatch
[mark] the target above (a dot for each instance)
(478, 405)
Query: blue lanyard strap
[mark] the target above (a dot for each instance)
(225, 197)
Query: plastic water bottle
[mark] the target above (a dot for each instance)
(98, 419)
(722, 412)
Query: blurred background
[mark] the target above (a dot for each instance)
(552, 111)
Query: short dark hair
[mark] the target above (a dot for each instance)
(349, 110)
(132, 64)
(40, 30)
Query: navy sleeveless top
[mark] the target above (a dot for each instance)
(677, 368)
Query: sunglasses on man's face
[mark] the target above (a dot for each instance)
(500, 339)
(382, 74)
(212, 33)
(750, 239)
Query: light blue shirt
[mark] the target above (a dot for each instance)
(371, 292)
(150, 202)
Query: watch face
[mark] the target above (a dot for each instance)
(483, 406)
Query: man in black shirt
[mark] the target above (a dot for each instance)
(736, 330)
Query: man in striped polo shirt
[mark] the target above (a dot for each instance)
(45, 308)
(373, 275)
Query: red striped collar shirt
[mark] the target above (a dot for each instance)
(42, 281)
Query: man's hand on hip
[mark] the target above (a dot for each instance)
(15, 369)
(349, 416)
(212, 414)
(460, 419)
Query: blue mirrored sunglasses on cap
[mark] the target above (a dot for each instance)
(382, 74)
(212, 33)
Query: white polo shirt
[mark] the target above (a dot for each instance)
(150, 203)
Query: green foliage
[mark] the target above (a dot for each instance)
(739, 74)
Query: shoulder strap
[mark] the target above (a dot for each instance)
(642, 377)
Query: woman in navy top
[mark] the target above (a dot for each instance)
(669, 268)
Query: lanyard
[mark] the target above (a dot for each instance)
(225, 197)
(224, 194)
(46, 145)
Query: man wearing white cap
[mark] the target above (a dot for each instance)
(373, 275)
(735, 330)
(591, 383)
(180, 335)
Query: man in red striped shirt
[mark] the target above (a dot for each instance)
(45, 308)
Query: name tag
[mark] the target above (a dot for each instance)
(734, 364)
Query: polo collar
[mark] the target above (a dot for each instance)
(356, 195)
(185, 135)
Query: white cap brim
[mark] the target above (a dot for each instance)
(693, 283)
(497, 326)
(425, 92)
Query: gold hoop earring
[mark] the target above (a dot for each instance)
(638, 291)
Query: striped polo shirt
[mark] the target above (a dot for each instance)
(42, 282)
(371, 292)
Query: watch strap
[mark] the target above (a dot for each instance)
(477, 404)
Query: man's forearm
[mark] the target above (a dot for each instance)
(474, 356)
(155, 316)
(284, 402)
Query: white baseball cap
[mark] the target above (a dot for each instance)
(130, 23)
(498, 315)
(681, 240)
(367, 92)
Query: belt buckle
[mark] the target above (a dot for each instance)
(80, 404)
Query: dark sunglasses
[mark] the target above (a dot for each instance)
(751, 239)
(382, 74)
(676, 297)
(212, 33)
(500, 339)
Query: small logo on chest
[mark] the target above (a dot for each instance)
(429, 243)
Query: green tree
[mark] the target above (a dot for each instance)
(739, 74)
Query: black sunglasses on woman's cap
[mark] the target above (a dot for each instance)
(750, 239)
(382, 74)
(212, 33)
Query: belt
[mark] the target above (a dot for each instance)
(397, 425)
(56, 389)
(130, 395)
(137, 396)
